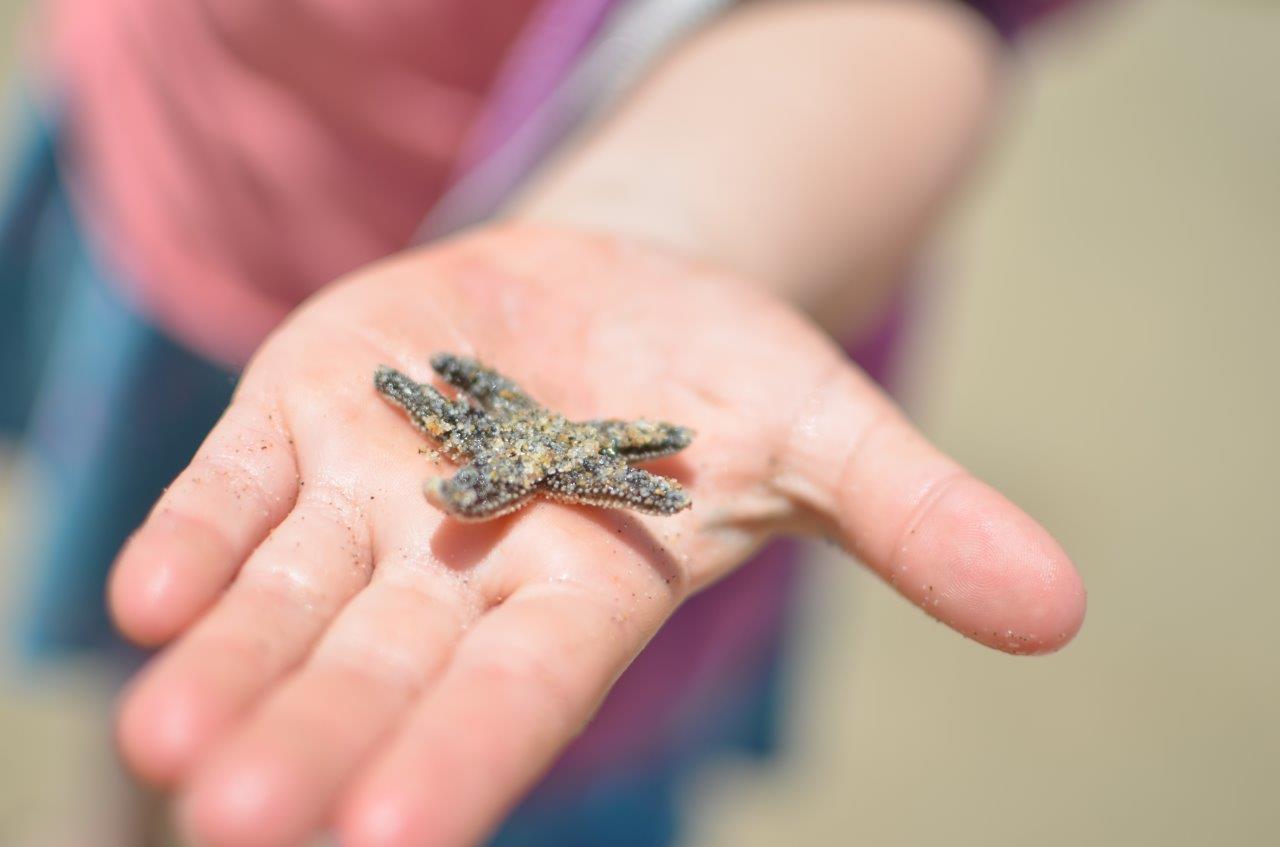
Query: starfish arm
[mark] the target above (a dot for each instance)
(482, 490)
(489, 388)
(637, 440)
(432, 412)
(618, 485)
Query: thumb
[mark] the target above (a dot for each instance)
(947, 541)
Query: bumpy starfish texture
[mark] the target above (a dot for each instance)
(512, 449)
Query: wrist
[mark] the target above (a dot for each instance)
(594, 203)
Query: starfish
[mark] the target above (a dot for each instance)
(512, 448)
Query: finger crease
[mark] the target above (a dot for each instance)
(794, 444)
(849, 470)
(932, 494)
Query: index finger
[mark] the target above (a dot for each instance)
(241, 483)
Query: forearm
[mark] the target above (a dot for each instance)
(806, 145)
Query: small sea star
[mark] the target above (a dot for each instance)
(514, 448)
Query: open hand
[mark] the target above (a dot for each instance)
(345, 656)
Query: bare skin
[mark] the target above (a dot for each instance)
(342, 655)
(409, 699)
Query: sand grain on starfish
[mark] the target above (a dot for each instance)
(513, 449)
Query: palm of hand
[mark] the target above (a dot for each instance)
(373, 666)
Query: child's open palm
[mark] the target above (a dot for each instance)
(343, 655)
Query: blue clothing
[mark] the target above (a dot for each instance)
(108, 410)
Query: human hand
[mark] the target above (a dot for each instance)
(344, 656)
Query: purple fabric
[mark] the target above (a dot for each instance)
(552, 42)
(1011, 16)
(519, 127)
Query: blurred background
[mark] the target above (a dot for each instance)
(1105, 351)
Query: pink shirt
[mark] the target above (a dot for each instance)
(232, 156)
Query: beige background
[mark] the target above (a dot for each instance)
(1106, 351)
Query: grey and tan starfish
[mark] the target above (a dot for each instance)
(512, 448)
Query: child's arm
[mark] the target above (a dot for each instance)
(807, 145)
(347, 657)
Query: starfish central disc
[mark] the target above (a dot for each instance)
(511, 448)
